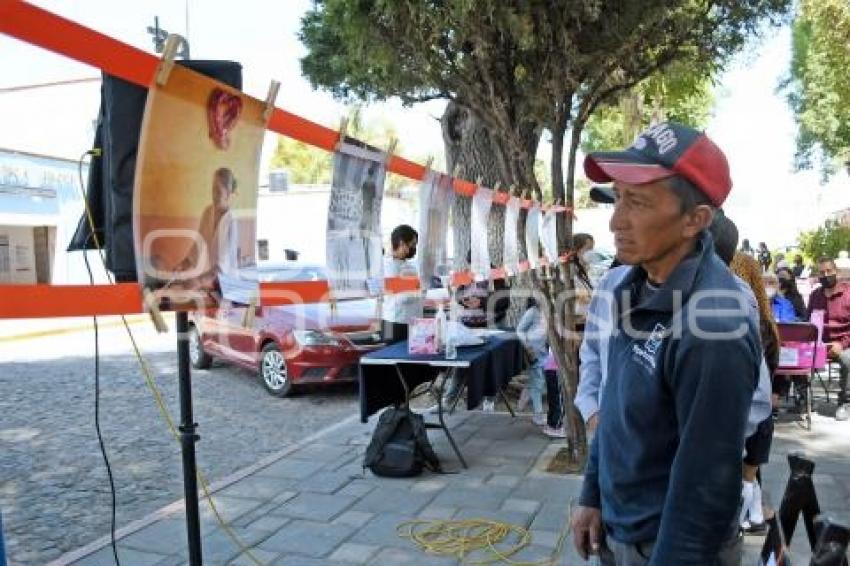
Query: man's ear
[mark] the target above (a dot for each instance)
(698, 220)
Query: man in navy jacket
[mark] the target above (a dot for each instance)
(663, 478)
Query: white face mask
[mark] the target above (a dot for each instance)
(771, 292)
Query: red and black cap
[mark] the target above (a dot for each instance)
(662, 151)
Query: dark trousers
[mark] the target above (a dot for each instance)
(615, 553)
(555, 399)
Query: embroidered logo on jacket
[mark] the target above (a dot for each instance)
(645, 353)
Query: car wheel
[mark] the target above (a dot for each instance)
(273, 371)
(200, 359)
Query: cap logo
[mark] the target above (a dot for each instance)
(663, 136)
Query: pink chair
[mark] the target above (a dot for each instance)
(801, 355)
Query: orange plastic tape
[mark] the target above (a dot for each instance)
(43, 301)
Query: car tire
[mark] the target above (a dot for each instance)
(200, 359)
(273, 371)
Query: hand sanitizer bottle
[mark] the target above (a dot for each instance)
(441, 328)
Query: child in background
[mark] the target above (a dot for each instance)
(554, 427)
(531, 331)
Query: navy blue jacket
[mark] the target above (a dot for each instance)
(665, 464)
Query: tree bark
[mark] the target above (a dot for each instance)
(473, 153)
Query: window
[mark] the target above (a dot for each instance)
(5, 258)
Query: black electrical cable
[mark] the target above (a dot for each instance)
(97, 373)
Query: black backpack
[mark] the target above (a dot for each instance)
(400, 447)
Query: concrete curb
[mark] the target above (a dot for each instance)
(177, 506)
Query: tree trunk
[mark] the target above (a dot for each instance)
(473, 152)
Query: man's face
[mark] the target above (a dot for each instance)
(826, 268)
(410, 248)
(647, 222)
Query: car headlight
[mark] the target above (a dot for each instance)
(314, 338)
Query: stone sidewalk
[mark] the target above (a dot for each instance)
(314, 505)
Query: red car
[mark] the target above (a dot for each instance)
(288, 345)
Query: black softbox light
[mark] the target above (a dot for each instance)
(110, 184)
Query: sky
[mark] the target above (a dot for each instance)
(751, 122)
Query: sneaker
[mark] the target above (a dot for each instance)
(554, 432)
(488, 405)
(539, 419)
(843, 412)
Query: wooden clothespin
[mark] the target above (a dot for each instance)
(497, 187)
(151, 304)
(270, 100)
(169, 52)
(250, 313)
(479, 182)
(429, 163)
(343, 131)
(456, 170)
(391, 149)
(332, 305)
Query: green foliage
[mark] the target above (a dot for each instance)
(519, 66)
(307, 165)
(819, 85)
(682, 93)
(827, 240)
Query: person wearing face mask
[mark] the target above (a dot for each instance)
(833, 297)
(783, 310)
(400, 308)
(788, 289)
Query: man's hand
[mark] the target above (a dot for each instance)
(586, 523)
(835, 349)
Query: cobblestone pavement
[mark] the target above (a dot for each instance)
(54, 492)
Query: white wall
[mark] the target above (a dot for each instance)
(297, 219)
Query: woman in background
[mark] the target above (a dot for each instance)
(757, 445)
(788, 289)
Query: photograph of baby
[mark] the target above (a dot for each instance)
(195, 193)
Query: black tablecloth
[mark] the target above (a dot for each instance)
(492, 365)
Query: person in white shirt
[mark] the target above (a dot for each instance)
(400, 308)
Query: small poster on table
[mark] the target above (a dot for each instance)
(422, 336)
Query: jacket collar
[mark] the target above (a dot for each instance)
(679, 284)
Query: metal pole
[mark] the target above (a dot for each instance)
(187, 440)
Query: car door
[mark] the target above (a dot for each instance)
(235, 338)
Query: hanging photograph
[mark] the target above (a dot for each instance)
(354, 248)
(195, 192)
(549, 235)
(482, 201)
(532, 238)
(511, 253)
(436, 197)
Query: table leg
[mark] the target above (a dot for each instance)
(460, 385)
(443, 426)
(505, 401)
